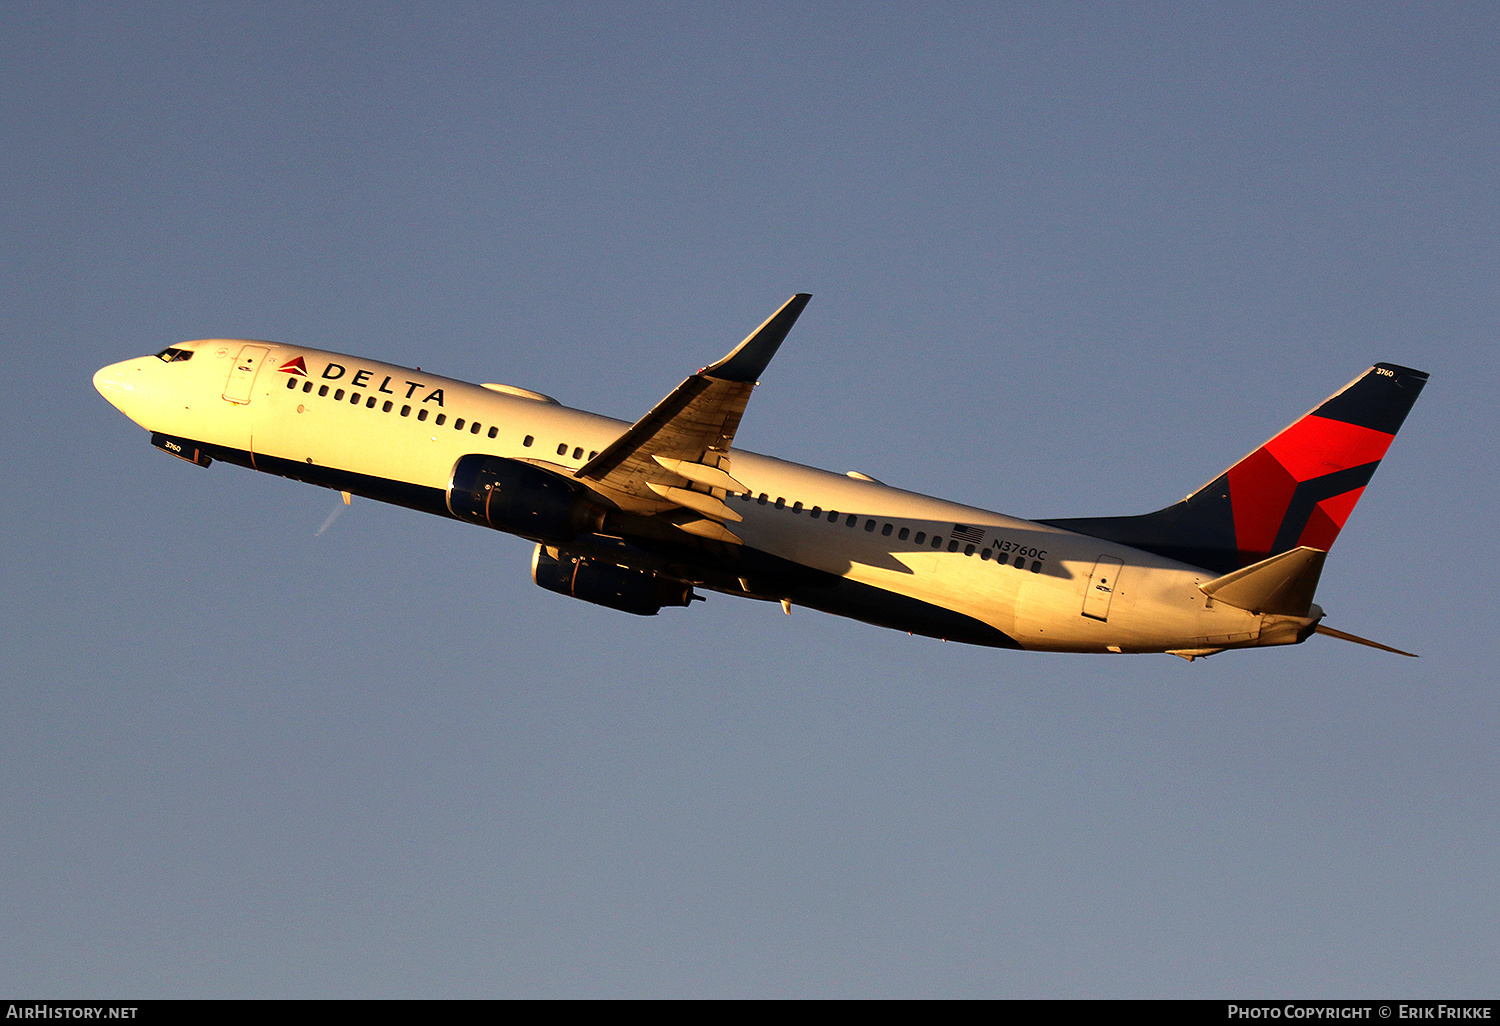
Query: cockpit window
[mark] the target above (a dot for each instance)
(173, 355)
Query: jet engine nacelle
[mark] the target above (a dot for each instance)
(604, 583)
(509, 495)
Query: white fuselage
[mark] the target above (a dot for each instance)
(1043, 587)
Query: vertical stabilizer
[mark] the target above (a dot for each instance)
(1296, 490)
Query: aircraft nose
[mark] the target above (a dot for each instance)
(110, 381)
(121, 384)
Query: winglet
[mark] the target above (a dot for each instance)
(751, 356)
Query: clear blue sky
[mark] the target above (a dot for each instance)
(1066, 259)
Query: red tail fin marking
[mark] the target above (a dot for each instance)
(1261, 485)
(1327, 520)
(1261, 490)
(1315, 446)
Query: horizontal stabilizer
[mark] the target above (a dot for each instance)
(1342, 636)
(1282, 585)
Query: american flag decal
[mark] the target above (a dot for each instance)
(964, 533)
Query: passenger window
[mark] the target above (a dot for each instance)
(474, 428)
(817, 513)
(458, 425)
(387, 406)
(985, 554)
(339, 395)
(494, 431)
(354, 398)
(870, 526)
(921, 537)
(439, 419)
(406, 411)
(290, 382)
(528, 440)
(422, 413)
(370, 403)
(307, 386)
(562, 448)
(762, 499)
(593, 454)
(780, 502)
(796, 507)
(968, 550)
(322, 391)
(904, 532)
(851, 520)
(578, 453)
(953, 546)
(937, 542)
(1036, 566)
(887, 529)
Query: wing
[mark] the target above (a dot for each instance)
(676, 458)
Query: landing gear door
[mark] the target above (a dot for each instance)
(242, 374)
(1101, 589)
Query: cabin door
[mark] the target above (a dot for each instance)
(242, 374)
(1101, 588)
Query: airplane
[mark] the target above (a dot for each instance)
(635, 517)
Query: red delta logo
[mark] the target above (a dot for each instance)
(1300, 487)
(294, 367)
